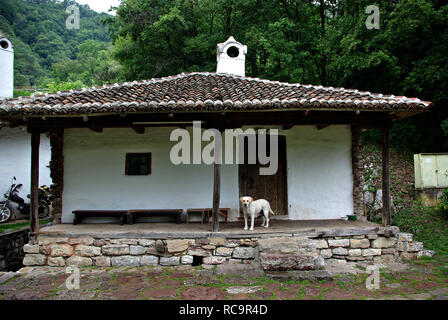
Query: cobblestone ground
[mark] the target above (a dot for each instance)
(418, 282)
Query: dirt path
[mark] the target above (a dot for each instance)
(184, 282)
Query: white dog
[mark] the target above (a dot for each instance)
(254, 208)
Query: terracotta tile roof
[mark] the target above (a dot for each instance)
(205, 92)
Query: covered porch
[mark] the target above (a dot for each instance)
(278, 228)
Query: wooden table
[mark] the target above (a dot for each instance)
(202, 211)
(222, 211)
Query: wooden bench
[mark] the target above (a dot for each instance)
(154, 212)
(80, 214)
(202, 211)
(224, 212)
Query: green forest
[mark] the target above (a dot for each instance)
(320, 42)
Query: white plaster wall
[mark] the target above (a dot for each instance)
(320, 178)
(15, 160)
(94, 174)
(319, 173)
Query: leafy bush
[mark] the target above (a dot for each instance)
(21, 93)
(442, 207)
(426, 225)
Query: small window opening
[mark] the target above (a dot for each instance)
(4, 44)
(138, 164)
(197, 261)
(233, 52)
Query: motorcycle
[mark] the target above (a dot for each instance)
(22, 208)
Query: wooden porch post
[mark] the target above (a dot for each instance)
(217, 184)
(34, 214)
(386, 176)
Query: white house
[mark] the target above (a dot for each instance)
(113, 142)
(15, 143)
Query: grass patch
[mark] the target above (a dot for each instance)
(19, 225)
(427, 225)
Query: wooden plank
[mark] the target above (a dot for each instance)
(386, 176)
(34, 214)
(215, 120)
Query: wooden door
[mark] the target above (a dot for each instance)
(270, 187)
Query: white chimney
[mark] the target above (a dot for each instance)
(231, 57)
(6, 68)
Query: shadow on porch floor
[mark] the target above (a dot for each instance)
(197, 230)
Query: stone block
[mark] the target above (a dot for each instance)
(137, 250)
(340, 251)
(371, 252)
(354, 252)
(186, 259)
(199, 252)
(146, 242)
(321, 244)
(101, 261)
(359, 243)
(223, 251)
(282, 245)
(355, 258)
(382, 242)
(231, 244)
(247, 243)
(425, 253)
(402, 246)
(319, 262)
(31, 248)
(99, 242)
(125, 261)
(56, 261)
(34, 260)
(149, 260)
(388, 251)
(160, 246)
(372, 236)
(213, 260)
(218, 241)
(338, 243)
(169, 261)
(306, 244)
(284, 262)
(129, 241)
(405, 236)
(177, 245)
(61, 250)
(87, 241)
(79, 261)
(243, 253)
(45, 249)
(115, 249)
(415, 246)
(87, 251)
(326, 253)
(337, 262)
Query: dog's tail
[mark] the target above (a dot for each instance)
(272, 212)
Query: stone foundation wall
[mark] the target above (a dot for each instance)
(273, 252)
(11, 253)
